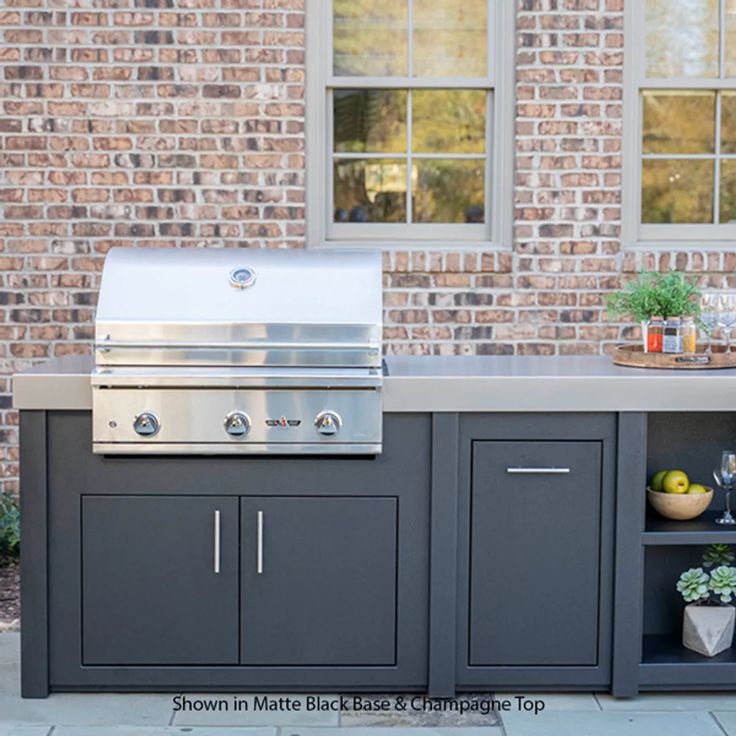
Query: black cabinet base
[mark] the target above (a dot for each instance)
(428, 568)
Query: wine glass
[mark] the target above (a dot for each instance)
(727, 317)
(709, 317)
(725, 477)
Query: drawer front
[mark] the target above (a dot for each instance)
(535, 553)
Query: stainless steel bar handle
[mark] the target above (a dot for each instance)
(259, 560)
(538, 471)
(217, 543)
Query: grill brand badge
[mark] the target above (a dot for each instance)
(283, 422)
(242, 278)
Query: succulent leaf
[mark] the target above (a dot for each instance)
(693, 584)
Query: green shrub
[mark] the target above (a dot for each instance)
(9, 529)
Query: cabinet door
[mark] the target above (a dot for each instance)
(319, 581)
(535, 553)
(160, 580)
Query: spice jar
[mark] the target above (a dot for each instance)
(672, 338)
(655, 332)
(689, 335)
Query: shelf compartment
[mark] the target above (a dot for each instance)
(703, 530)
(665, 662)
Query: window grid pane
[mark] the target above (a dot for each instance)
(370, 184)
(366, 159)
(722, 163)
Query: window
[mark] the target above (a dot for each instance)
(681, 120)
(407, 104)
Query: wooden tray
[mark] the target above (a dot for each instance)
(634, 356)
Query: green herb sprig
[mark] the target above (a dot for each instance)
(656, 295)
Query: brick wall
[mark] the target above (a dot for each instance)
(180, 122)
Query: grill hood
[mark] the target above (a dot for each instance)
(239, 307)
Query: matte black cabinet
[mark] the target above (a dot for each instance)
(319, 581)
(535, 546)
(159, 580)
(535, 553)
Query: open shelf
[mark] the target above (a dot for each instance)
(666, 663)
(702, 530)
(668, 649)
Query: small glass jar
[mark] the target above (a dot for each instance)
(689, 335)
(655, 333)
(672, 338)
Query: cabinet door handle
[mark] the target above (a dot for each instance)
(538, 471)
(259, 560)
(217, 543)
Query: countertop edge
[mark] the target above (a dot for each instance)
(408, 394)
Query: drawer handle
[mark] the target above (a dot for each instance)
(538, 471)
(217, 543)
(259, 562)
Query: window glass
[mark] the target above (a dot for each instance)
(370, 121)
(727, 212)
(449, 121)
(448, 191)
(679, 122)
(677, 191)
(730, 31)
(450, 38)
(370, 190)
(408, 97)
(370, 38)
(728, 122)
(682, 38)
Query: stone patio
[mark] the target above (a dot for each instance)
(686, 714)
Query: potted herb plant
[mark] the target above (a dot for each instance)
(655, 295)
(708, 622)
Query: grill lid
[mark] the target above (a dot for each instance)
(239, 307)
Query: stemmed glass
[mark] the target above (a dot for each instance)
(727, 317)
(725, 477)
(709, 317)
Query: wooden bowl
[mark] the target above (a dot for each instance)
(679, 506)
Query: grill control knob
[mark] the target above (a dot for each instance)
(147, 424)
(237, 424)
(328, 423)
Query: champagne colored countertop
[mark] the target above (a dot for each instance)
(467, 384)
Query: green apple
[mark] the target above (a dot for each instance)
(676, 482)
(656, 482)
(697, 488)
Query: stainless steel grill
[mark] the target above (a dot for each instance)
(238, 351)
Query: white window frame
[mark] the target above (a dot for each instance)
(664, 236)
(497, 229)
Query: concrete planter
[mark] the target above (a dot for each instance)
(708, 630)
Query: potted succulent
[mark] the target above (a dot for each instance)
(655, 295)
(708, 622)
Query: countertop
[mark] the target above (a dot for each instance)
(467, 384)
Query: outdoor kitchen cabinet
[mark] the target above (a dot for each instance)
(535, 550)
(327, 592)
(159, 580)
(319, 581)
